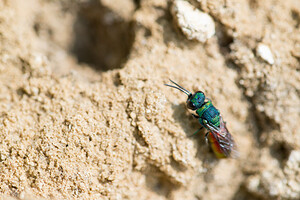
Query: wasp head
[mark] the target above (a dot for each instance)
(196, 100)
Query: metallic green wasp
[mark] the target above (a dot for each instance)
(209, 117)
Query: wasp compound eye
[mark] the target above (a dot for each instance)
(191, 105)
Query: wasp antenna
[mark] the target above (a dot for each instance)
(186, 92)
(179, 88)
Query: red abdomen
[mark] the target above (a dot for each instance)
(215, 146)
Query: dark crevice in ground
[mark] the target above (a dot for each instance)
(103, 39)
(281, 151)
(224, 39)
(158, 182)
(242, 193)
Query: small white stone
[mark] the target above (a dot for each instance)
(254, 183)
(35, 91)
(294, 160)
(260, 108)
(265, 53)
(193, 23)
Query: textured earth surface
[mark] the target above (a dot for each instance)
(84, 113)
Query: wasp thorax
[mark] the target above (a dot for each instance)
(196, 100)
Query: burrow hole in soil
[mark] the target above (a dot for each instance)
(102, 39)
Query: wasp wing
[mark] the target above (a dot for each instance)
(224, 139)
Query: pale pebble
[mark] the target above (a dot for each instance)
(196, 25)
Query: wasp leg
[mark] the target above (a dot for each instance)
(206, 139)
(196, 132)
(195, 116)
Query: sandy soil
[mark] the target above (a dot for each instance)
(84, 113)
